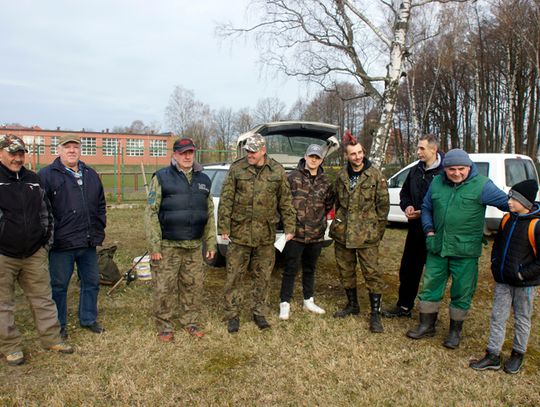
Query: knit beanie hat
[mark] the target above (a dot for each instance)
(456, 157)
(524, 192)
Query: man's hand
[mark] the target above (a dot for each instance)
(410, 213)
(156, 256)
(289, 236)
(430, 234)
(210, 255)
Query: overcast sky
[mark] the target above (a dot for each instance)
(97, 64)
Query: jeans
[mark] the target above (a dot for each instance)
(506, 297)
(61, 263)
(296, 253)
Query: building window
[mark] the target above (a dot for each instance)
(110, 146)
(88, 146)
(158, 148)
(35, 141)
(54, 144)
(135, 147)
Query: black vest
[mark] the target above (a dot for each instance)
(183, 212)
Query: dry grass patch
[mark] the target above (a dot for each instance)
(308, 360)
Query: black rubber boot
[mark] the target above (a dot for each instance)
(375, 324)
(454, 334)
(352, 307)
(425, 328)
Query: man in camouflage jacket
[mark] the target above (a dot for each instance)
(254, 194)
(362, 205)
(313, 198)
(178, 218)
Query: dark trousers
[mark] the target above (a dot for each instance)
(412, 265)
(61, 265)
(297, 253)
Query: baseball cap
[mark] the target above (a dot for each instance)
(184, 144)
(12, 143)
(315, 149)
(69, 138)
(254, 143)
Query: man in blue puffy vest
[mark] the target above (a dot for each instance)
(179, 217)
(453, 220)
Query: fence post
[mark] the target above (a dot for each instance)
(118, 178)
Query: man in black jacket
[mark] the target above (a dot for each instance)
(411, 196)
(78, 205)
(25, 228)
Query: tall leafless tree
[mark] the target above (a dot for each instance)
(324, 41)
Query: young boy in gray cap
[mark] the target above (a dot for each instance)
(516, 269)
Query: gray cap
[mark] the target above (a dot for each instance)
(254, 143)
(315, 149)
(457, 157)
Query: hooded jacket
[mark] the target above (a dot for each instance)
(512, 252)
(79, 211)
(313, 198)
(25, 218)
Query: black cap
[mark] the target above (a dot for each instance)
(524, 192)
(184, 144)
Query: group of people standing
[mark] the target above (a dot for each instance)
(51, 222)
(48, 223)
(444, 198)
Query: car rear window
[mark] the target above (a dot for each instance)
(518, 170)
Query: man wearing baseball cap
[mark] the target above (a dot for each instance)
(78, 204)
(254, 192)
(453, 214)
(313, 198)
(26, 229)
(179, 217)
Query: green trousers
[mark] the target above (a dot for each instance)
(464, 273)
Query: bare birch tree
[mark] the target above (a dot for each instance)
(324, 41)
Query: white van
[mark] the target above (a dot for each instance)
(505, 170)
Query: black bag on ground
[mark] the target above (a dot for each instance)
(109, 273)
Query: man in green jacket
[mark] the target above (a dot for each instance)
(453, 221)
(254, 194)
(362, 205)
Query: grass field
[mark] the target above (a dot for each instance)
(306, 361)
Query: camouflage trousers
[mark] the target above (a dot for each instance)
(178, 279)
(368, 260)
(260, 261)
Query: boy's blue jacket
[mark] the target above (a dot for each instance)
(512, 251)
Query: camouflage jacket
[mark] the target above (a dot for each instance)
(361, 212)
(252, 201)
(313, 198)
(153, 228)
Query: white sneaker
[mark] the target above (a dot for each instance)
(284, 310)
(309, 305)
